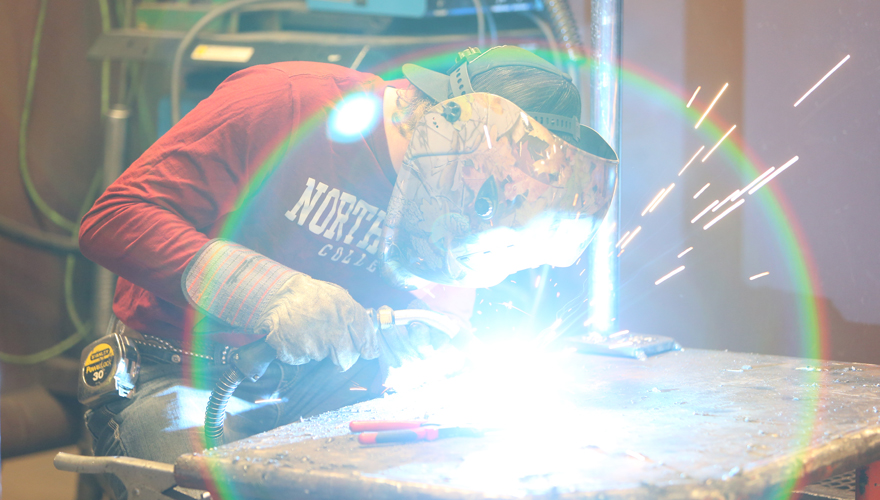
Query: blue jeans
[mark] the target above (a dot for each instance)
(165, 417)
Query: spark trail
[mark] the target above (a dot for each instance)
(691, 160)
(671, 274)
(711, 106)
(822, 80)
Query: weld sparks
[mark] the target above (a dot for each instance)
(759, 275)
(822, 80)
(662, 197)
(693, 97)
(654, 201)
(717, 144)
(509, 305)
(624, 243)
(695, 219)
(724, 214)
(731, 197)
(758, 179)
(671, 274)
(711, 106)
(701, 191)
(682, 254)
(773, 175)
(691, 160)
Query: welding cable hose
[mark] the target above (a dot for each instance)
(565, 28)
(215, 414)
(249, 362)
(37, 238)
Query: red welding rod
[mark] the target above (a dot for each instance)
(385, 425)
(404, 436)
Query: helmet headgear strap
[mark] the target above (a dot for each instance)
(460, 84)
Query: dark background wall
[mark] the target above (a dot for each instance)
(64, 149)
(770, 54)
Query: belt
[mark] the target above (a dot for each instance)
(159, 350)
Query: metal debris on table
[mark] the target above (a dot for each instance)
(692, 423)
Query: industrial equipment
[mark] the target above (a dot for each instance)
(422, 8)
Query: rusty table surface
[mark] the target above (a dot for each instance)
(688, 424)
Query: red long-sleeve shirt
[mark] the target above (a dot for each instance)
(256, 163)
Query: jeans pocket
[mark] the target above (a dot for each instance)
(106, 440)
(290, 376)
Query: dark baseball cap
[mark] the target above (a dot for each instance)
(472, 62)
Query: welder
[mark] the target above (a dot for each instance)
(297, 195)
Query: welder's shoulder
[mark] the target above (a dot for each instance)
(329, 73)
(296, 78)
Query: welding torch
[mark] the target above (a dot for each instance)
(251, 361)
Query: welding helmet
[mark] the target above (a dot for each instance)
(486, 190)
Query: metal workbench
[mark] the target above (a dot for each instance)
(687, 424)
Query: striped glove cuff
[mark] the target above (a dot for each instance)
(232, 283)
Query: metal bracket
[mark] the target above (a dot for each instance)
(143, 479)
(624, 344)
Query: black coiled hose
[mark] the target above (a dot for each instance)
(565, 28)
(248, 362)
(215, 414)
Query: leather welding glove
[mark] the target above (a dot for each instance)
(304, 319)
(311, 319)
(402, 344)
(410, 342)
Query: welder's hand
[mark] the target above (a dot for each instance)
(413, 341)
(400, 344)
(309, 320)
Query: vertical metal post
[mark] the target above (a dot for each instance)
(605, 119)
(114, 149)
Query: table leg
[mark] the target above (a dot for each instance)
(868, 482)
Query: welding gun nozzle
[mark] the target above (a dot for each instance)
(383, 318)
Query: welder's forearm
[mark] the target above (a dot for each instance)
(141, 242)
(233, 284)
